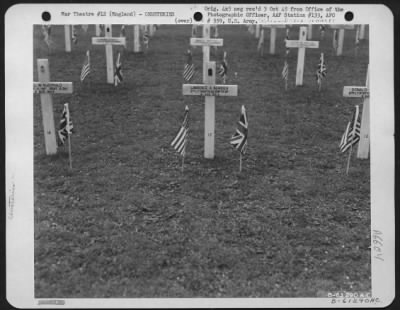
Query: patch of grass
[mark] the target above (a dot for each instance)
(125, 222)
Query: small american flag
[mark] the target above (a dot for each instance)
(189, 70)
(86, 67)
(321, 71)
(239, 139)
(66, 125)
(180, 140)
(352, 133)
(118, 78)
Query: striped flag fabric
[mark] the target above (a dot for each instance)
(66, 125)
(86, 67)
(188, 70)
(239, 138)
(352, 133)
(321, 71)
(180, 140)
(118, 77)
(285, 70)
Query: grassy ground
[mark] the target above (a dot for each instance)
(125, 222)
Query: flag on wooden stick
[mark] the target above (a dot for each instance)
(74, 35)
(285, 70)
(335, 39)
(321, 32)
(118, 77)
(46, 29)
(239, 138)
(86, 67)
(321, 71)
(223, 69)
(180, 141)
(189, 70)
(66, 125)
(352, 133)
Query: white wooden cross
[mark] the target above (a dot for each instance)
(361, 92)
(98, 30)
(257, 33)
(301, 44)
(46, 88)
(309, 32)
(67, 32)
(362, 32)
(109, 41)
(272, 37)
(341, 28)
(136, 38)
(152, 29)
(206, 42)
(210, 91)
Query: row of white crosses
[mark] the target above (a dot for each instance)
(136, 35)
(259, 34)
(363, 93)
(108, 40)
(208, 89)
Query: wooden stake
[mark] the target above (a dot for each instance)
(67, 31)
(348, 160)
(240, 162)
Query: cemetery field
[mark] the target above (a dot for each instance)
(126, 222)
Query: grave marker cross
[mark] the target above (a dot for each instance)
(301, 44)
(46, 88)
(109, 41)
(210, 91)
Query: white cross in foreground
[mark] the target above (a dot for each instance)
(210, 91)
(46, 88)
